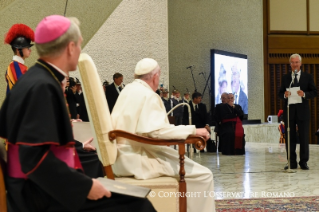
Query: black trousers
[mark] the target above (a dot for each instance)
(303, 129)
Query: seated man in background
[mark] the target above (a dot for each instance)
(231, 132)
(145, 114)
(44, 172)
(218, 125)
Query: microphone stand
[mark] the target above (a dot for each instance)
(191, 68)
(206, 80)
(288, 131)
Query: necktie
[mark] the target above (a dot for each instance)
(296, 81)
(196, 108)
(120, 88)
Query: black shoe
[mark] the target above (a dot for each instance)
(304, 166)
(291, 167)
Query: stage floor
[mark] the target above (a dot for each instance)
(260, 173)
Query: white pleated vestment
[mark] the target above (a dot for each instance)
(140, 110)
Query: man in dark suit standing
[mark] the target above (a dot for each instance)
(112, 91)
(240, 96)
(298, 113)
(199, 117)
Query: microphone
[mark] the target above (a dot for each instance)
(189, 67)
(292, 77)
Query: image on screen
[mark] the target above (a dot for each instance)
(230, 75)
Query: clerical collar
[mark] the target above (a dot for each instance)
(18, 59)
(59, 74)
(58, 69)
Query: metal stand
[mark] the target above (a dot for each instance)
(206, 84)
(288, 134)
(191, 68)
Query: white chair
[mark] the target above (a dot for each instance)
(104, 136)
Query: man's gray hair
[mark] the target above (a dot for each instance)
(294, 56)
(56, 46)
(148, 76)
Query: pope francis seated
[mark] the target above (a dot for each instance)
(144, 114)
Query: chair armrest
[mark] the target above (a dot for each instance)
(198, 141)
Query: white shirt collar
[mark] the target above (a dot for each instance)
(18, 59)
(298, 73)
(58, 69)
(194, 105)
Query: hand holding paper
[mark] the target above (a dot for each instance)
(294, 97)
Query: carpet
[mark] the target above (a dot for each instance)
(292, 204)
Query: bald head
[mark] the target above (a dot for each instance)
(230, 98)
(224, 97)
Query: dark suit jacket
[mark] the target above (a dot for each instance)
(167, 104)
(243, 101)
(199, 118)
(82, 111)
(185, 113)
(178, 112)
(72, 101)
(111, 95)
(307, 85)
(217, 111)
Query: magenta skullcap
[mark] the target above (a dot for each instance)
(51, 28)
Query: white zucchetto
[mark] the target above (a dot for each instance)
(145, 66)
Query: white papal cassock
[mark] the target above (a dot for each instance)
(140, 110)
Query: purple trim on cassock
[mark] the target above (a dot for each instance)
(66, 154)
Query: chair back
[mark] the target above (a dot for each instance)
(3, 194)
(97, 107)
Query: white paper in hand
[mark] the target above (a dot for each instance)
(294, 98)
